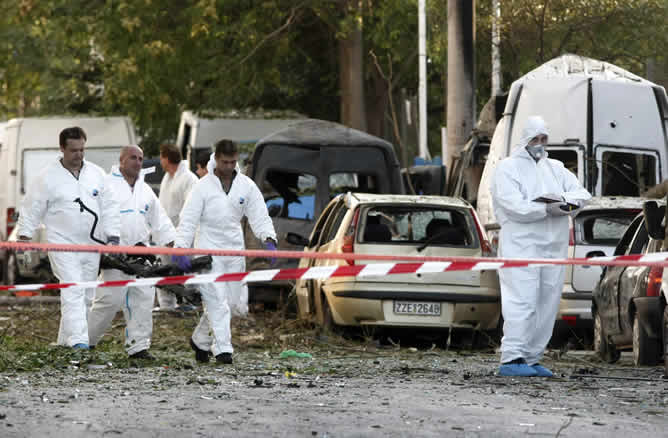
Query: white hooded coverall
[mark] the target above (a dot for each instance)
(141, 216)
(530, 296)
(174, 191)
(219, 216)
(50, 200)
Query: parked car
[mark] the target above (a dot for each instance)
(594, 232)
(360, 224)
(628, 303)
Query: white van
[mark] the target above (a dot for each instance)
(29, 144)
(199, 132)
(608, 126)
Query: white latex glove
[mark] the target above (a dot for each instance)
(555, 209)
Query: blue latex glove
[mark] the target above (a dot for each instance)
(270, 246)
(183, 262)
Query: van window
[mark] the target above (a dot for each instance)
(627, 173)
(568, 157)
(290, 195)
(34, 160)
(344, 182)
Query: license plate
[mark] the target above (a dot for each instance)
(417, 308)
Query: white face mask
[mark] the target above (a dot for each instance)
(536, 151)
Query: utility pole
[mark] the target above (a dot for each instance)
(461, 76)
(422, 86)
(497, 78)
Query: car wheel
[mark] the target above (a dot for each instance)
(665, 340)
(645, 349)
(602, 347)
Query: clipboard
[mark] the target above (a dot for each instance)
(570, 206)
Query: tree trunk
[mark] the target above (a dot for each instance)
(351, 74)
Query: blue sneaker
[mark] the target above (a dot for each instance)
(80, 346)
(517, 370)
(541, 371)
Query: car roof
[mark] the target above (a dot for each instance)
(372, 198)
(617, 202)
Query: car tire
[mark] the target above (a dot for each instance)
(604, 349)
(665, 340)
(645, 349)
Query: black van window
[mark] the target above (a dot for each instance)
(290, 195)
(627, 174)
(344, 182)
(568, 157)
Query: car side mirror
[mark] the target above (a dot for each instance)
(296, 239)
(653, 217)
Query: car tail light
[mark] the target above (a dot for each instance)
(571, 234)
(348, 245)
(12, 216)
(485, 247)
(654, 281)
(570, 320)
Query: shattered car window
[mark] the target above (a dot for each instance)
(344, 182)
(415, 225)
(290, 194)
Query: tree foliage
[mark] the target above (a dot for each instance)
(151, 59)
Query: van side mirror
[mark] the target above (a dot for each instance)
(296, 239)
(653, 217)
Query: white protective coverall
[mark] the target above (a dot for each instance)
(50, 200)
(530, 296)
(141, 216)
(219, 215)
(174, 191)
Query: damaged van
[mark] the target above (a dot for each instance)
(302, 167)
(607, 125)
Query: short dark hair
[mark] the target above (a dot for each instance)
(74, 133)
(226, 147)
(171, 152)
(202, 157)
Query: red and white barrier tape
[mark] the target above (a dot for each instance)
(369, 270)
(655, 259)
(411, 264)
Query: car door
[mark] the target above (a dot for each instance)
(629, 280)
(606, 292)
(303, 287)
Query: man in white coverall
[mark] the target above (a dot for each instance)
(174, 190)
(142, 216)
(70, 198)
(217, 204)
(530, 229)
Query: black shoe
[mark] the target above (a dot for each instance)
(143, 355)
(225, 358)
(200, 355)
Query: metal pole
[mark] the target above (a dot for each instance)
(497, 79)
(422, 55)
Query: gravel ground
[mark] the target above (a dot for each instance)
(346, 388)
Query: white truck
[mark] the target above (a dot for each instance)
(198, 132)
(609, 127)
(29, 144)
